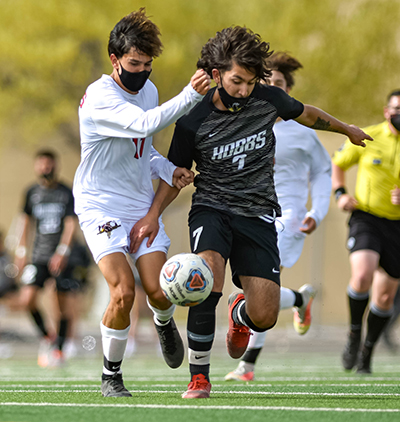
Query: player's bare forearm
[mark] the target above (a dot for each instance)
(318, 119)
(338, 177)
(164, 196)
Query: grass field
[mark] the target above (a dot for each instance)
(295, 385)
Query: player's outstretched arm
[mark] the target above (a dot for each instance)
(318, 119)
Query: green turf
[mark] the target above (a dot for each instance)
(289, 387)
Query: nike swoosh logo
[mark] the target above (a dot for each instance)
(198, 357)
(210, 135)
(275, 271)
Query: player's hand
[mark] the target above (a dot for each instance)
(182, 177)
(145, 227)
(57, 264)
(201, 81)
(357, 136)
(395, 196)
(347, 203)
(308, 225)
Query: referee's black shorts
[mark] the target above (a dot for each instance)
(378, 234)
(249, 243)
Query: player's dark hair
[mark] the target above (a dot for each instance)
(138, 31)
(395, 93)
(286, 64)
(46, 153)
(236, 44)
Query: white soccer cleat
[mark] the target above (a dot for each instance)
(302, 314)
(244, 372)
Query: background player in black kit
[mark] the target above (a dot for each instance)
(229, 136)
(49, 205)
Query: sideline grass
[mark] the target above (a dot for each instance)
(288, 387)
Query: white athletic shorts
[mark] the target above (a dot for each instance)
(106, 235)
(290, 238)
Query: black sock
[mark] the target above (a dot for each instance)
(37, 317)
(251, 355)
(200, 369)
(243, 315)
(201, 329)
(299, 299)
(376, 325)
(357, 309)
(62, 333)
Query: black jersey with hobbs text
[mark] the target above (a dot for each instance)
(234, 151)
(49, 207)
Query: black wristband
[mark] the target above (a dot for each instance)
(339, 192)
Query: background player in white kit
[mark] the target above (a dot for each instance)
(118, 116)
(300, 161)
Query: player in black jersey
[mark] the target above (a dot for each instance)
(229, 136)
(50, 205)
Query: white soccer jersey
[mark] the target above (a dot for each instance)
(300, 161)
(117, 158)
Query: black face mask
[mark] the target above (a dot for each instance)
(233, 104)
(48, 176)
(133, 81)
(395, 121)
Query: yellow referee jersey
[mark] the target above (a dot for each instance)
(378, 170)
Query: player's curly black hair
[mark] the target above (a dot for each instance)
(236, 44)
(138, 31)
(286, 64)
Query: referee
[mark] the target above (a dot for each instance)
(374, 231)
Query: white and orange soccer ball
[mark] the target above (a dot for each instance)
(186, 279)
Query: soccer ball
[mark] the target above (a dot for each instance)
(186, 279)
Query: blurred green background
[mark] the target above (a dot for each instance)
(51, 50)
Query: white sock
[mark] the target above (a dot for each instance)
(288, 298)
(114, 345)
(199, 358)
(257, 340)
(161, 317)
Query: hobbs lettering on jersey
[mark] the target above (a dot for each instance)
(237, 150)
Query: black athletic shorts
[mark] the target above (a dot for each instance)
(378, 234)
(37, 274)
(249, 243)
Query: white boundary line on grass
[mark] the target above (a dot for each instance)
(237, 383)
(160, 406)
(252, 393)
(49, 378)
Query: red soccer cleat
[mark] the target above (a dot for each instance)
(237, 337)
(198, 388)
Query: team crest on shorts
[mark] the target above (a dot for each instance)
(108, 228)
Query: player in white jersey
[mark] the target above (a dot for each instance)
(300, 161)
(118, 116)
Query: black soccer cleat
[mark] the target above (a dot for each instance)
(171, 344)
(350, 352)
(113, 386)
(364, 361)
